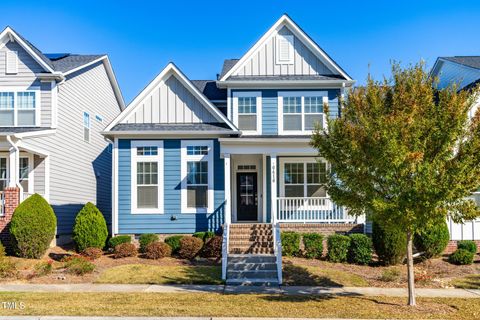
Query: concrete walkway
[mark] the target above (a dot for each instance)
(289, 290)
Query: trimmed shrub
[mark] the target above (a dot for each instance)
(190, 247)
(213, 247)
(124, 250)
(92, 253)
(208, 235)
(145, 239)
(468, 245)
(115, 241)
(174, 242)
(337, 247)
(204, 235)
(157, 250)
(90, 229)
(43, 268)
(462, 257)
(32, 227)
(290, 243)
(313, 244)
(360, 250)
(2, 251)
(78, 265)
(8, 268)
(390, 244)
(433, 240)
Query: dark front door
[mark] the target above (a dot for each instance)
(247, 203)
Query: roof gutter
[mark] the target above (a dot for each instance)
(285, 83)
(163, 132)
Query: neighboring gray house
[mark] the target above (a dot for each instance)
(52, 108)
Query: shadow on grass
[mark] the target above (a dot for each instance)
(300, 276)
(196, 275)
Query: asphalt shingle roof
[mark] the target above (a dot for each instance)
(469, 61)
(227, 65)
(210, 90)
(72, 61)
(12, 130)
(171, 127)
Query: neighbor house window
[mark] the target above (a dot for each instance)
(299, 112)
(247, 108)
(197, 176)
(86, 127)
(3, 173)
(302, 178)
(18, 108)
(147, 176)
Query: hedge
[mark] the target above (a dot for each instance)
(360, 250)
(145, 239)
(390, 244)
(461, 257)
(90, 229)
(174, 242)
(337, 247)
(290, 243)
(468, 245)
(115, 241)
(313, 245)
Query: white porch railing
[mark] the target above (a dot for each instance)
(277, 249)
(302, 210)
(225, 245)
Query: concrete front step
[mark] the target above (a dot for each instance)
(249, 237)
(247, 243)
(246, 258)
(252, 266)
(251, 274)
(251, 250)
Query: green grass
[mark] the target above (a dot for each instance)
(243, 305)
(296, 275)
(469, 282)
(149, 274)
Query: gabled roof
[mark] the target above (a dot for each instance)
(469, 61)
(284, 20)
(210, 89)
(72, 61)
(171, 69)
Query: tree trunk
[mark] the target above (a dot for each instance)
(411, 274)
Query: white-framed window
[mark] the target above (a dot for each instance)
(302, 177)
(247, 111)
(284, 49)
(86, 126)
(147, 177)
(24, 173)
(19, 107)
(11, 65)
(99, 118)
(197, 176)
(3, 173)
(299, 112)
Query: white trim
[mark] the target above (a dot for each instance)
(264, 185)
(302, 95)
(228, 189)
(291, 49)
(47, 177)
(36, 133)
(25, 147)
(31, 171)
(252, 94)
(273, 187)
(169, 70)
(303, 160)
(20, 89)
(160, 161)
(183, 174)
(115, 187)
(54, 92)
(288, 84)
(229, 104)
(136, 134)
(286, 21)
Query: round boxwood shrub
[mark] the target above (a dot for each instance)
(32, 227)
(468, 245)
(213, 247)
(157, 250)
(433, 240)
(115, 241)
(174, 242)
(360, 250)
(337, 247)
(390, 244)
(190, 247)
(124, 250)
(462, 257)
(290, 243)
(145, 239)
(313, 245)
(90, 229)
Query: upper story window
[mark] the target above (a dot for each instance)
(284, 49)
(19, 108)
(299, 112)
(147, 177)
(247, 112)
(86, 127)
(11, 65)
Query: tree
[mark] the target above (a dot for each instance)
(405, 152)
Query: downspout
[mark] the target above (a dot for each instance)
(17, 151)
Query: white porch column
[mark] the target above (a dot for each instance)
(228, 191)
(13, 163)
(273, 187)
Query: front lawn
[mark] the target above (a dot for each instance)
(468, 282)
(153, 274)
(243, 305)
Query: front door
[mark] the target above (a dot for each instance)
(247, 200)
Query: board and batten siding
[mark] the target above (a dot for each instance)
(80, 171)
(263, 61)
(270, 106)
(26, 78)
(171, 102)
(172, 221)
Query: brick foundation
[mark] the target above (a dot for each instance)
(322, 228)
(12, 199)
(452, 246)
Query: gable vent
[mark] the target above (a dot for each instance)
(284, 49)
(12, 62)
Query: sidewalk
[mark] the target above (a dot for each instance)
(288, 290)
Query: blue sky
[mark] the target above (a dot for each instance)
(141, 37)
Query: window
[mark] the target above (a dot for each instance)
(197, 176)
(3, 173)
(23, 172)
(99, 118)
(284, 49)
(247, 114)
(303, 178)
(147, 177)
(18, 108)
(11, 62)
(86, 127)
(299, 112)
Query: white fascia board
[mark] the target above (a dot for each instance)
(279, 140)
(273, 84)
(9, 32)
(33, 134)
(22, 145)
(168, 133)
(286, 21)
